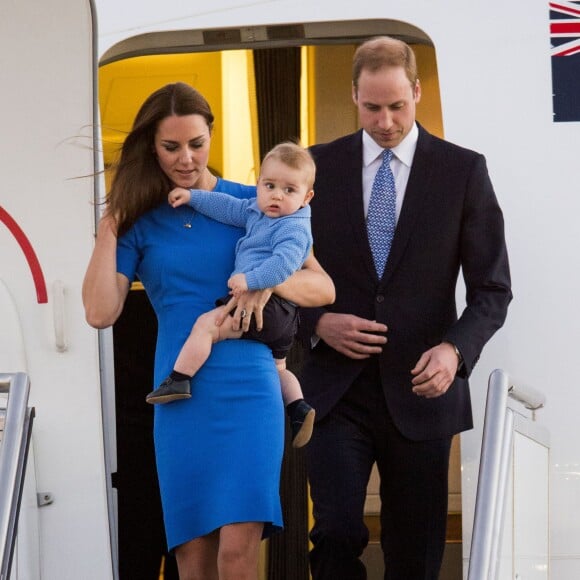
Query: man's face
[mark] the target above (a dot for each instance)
(386, 103)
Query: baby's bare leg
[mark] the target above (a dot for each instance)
(203, 335)
(291, 389)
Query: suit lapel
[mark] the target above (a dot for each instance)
(414, 202)
(354, 202)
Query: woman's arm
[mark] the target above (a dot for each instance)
(104, 290)
(309, 287)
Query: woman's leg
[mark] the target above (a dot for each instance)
(239, 551)
(197, 559)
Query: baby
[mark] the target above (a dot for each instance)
(277, 241)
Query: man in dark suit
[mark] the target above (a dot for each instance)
(387, 372)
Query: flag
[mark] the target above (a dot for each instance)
(565, 55)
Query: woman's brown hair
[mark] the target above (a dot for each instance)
(139, 184)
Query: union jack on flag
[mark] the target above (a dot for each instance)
(565, 53)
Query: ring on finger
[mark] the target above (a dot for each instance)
(243, 313)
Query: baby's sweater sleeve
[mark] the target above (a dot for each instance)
(220, 206)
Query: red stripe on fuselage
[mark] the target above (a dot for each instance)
(29, 254)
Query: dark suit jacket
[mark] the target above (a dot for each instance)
(450, 219)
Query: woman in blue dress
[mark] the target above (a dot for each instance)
(219, 453)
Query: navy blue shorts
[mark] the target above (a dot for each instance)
(280, 325)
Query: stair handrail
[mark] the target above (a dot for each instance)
(494, 471)
(13, 454)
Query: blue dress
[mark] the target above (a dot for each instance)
(219, 453)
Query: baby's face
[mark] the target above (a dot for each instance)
(282, 190)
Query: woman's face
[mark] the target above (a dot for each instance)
(182, 147)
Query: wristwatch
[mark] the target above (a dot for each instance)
(457, 352)
(459, 355)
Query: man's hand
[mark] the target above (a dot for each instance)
(351, 335)
(435, 371)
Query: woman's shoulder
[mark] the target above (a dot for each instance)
(236, 189)
(150, 221)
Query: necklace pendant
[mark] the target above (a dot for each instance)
(188, 218)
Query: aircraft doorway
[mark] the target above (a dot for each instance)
(314, 76)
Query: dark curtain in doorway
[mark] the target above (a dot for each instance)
(278, 95)
(278, 101)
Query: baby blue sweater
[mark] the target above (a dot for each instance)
(271, 249)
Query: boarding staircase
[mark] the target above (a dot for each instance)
(510, 538)
(510, 533)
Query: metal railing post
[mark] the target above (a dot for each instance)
(502, 490)
(13, 453)
(494, 470)
(489, 477)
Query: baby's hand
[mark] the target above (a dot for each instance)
(237, 284)
(178, 196)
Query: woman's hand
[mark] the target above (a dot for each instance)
(245, 306)
(309, 287)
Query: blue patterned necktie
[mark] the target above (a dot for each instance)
(381, 216)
